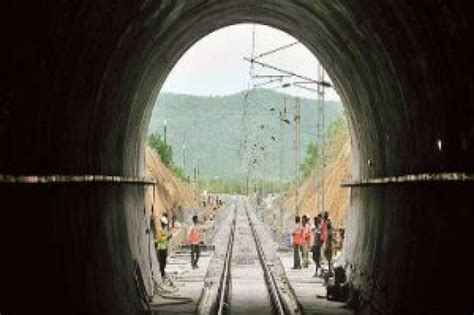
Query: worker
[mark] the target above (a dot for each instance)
(323, 228)
(297, 238)
(306, 242)
(328, 250)
(316, 245)
(162, 244)
(341, 237)
(194, 240)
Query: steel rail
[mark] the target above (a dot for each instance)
(275, 295)
(223, 291)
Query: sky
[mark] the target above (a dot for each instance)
(215, 64)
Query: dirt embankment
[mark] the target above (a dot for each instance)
(172, 195)
(336, 199)
(176, 198)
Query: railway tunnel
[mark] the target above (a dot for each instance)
(79, 82)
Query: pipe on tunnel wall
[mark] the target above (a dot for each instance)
(80, 83)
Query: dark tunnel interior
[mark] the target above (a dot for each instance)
(79, 82)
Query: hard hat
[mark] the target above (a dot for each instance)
(164, 220)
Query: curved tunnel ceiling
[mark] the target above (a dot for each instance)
(353, 57)
(81, 80)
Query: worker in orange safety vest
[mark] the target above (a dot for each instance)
(194, 240)
(296, 240)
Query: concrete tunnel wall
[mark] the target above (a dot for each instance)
(79, 84)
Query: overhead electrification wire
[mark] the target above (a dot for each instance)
(276, 50)
(265, 65)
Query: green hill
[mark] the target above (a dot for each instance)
(233, 133)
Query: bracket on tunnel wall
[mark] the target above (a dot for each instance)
(418, 178)
(63, 179)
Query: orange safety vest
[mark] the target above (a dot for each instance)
(323, 228)
(195, 235)
(297, 234)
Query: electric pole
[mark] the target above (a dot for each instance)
(297, 117)
(184, 152)
(247, 184)
(197, 175)
(321, 138)
(282, 141)
(283, 120)
(194, 176)
(164, 131)
(263, 173)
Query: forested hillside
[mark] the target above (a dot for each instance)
(226, 134)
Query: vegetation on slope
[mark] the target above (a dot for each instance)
(165, 151)
(338, 161)
(219, 131)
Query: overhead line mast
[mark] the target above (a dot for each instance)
(321, 84)
(297, 143)
(321, 138)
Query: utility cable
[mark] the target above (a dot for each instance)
(275, 50)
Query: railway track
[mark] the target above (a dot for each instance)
(247, 283)
(224, 286)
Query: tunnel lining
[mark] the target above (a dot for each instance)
(364, 75)
(354, 58)
(96, 68)
(361, 97)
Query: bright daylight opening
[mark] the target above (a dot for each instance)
(249, 111)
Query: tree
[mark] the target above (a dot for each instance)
(312, 157)
(337, 127)
(164, 150)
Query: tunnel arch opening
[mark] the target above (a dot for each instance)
(364, 74)
(355, 60)
(157, 64)
(221, 53)
(184, 74)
